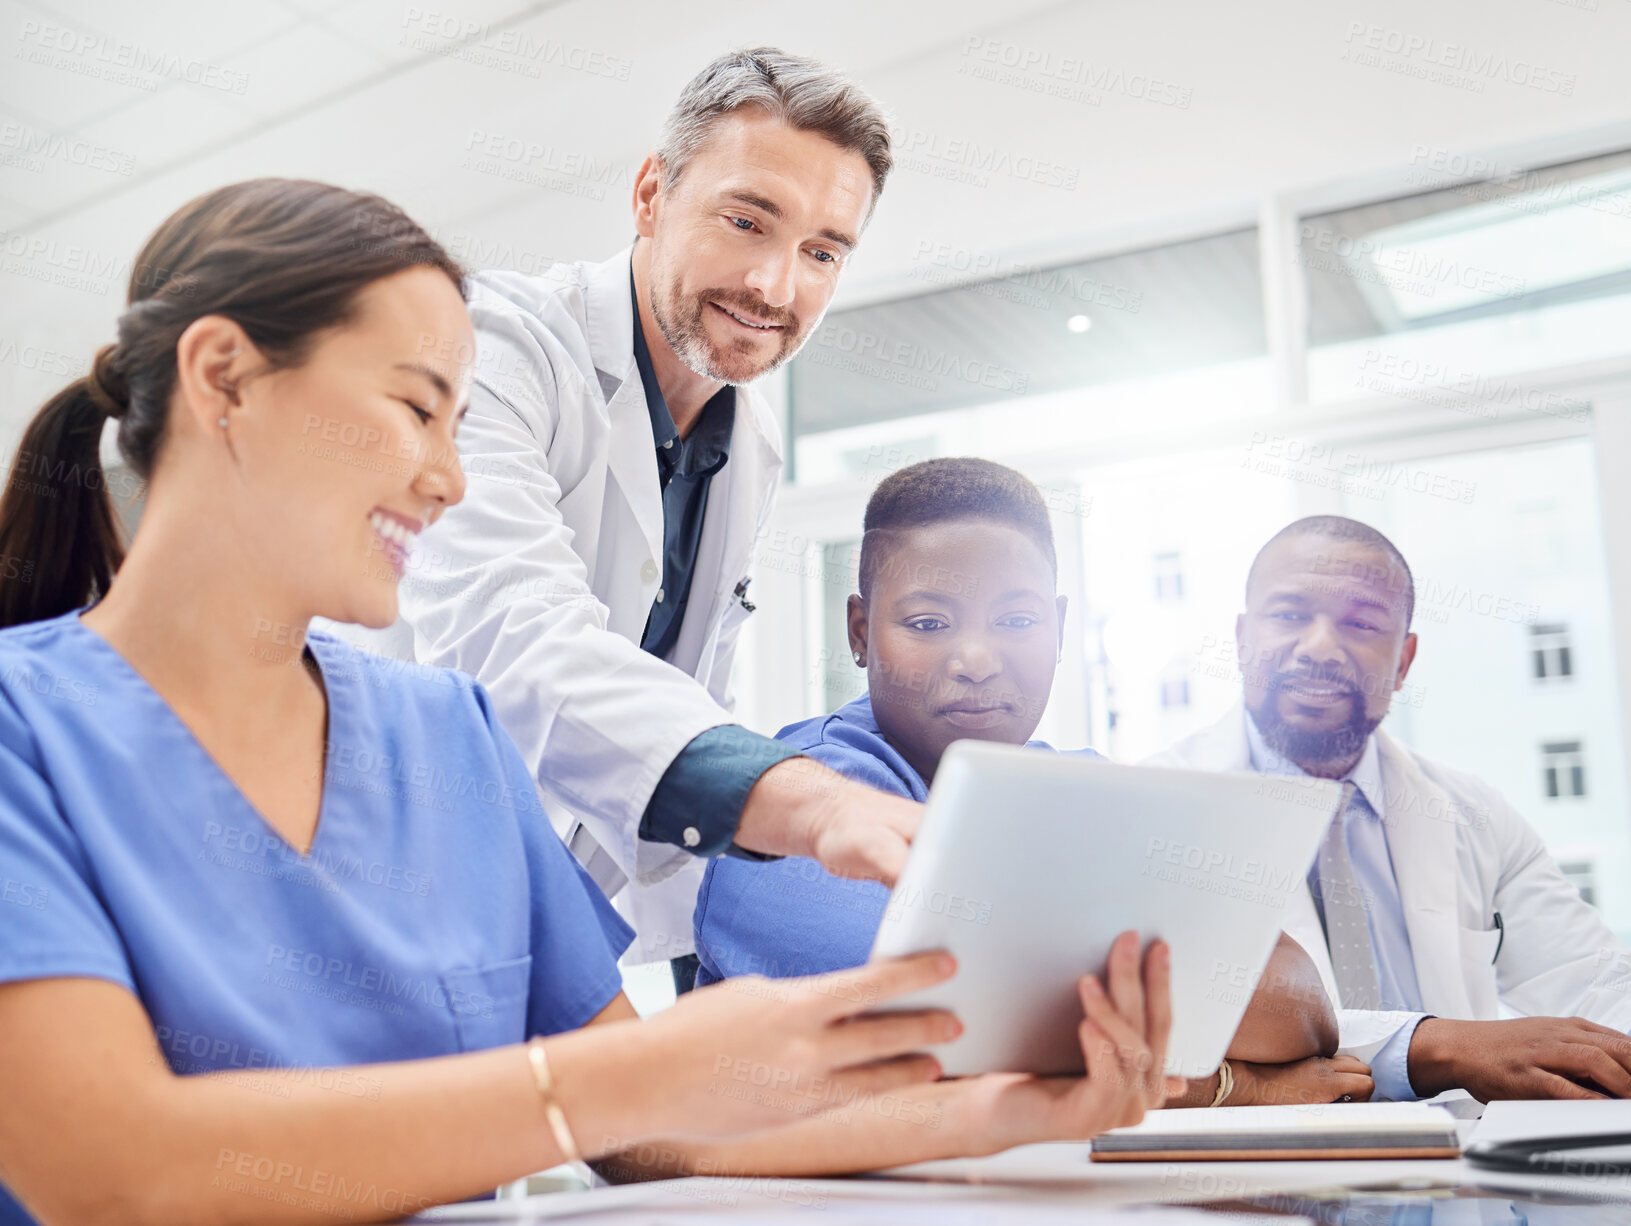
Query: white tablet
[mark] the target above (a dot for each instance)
(1028, 864)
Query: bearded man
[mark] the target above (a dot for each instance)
(1460, 956)
(621, 468)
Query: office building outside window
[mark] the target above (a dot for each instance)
(1174, 692)
(1552, 655)
(1564, 768)
(1169, 576)
(1582, 875)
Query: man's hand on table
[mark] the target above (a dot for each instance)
(1526, 1057)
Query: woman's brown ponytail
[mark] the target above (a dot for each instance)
(59, 536)
(282, 258)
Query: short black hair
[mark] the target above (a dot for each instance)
(1340, 528)
(945, 489)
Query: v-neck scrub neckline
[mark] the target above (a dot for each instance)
(334, 701)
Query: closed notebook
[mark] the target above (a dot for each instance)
(1253, 1134)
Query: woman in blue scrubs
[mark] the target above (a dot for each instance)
(278, 917)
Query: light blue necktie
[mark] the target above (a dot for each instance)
(1347, 934)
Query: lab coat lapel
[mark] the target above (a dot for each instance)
(631, 455)
(1424, 854)
(1302, 924)
(1230, 749)
(1218, 747)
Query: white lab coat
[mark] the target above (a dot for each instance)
(539, 583)
(1460, 854)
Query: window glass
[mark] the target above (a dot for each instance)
(1446, 297)
(1032, 358)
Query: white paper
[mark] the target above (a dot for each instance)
(1300, 1119)
(1531, 1120)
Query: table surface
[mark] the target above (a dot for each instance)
(1043, 1183)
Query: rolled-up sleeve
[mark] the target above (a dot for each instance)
(698, 801)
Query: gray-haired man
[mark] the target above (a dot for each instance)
(620, 470)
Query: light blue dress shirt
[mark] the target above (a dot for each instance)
(1365, 829)
(793, 917)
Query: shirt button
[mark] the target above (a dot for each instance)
(668, 444)
(692, 836)
(659, 595)
(648, 572)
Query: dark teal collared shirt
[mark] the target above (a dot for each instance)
(697, 804)
(686, 468)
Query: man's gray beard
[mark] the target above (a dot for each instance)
(690, 345)
(693, 350)
(1341, 744)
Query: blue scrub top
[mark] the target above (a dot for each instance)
(792, 917)
(437, 911)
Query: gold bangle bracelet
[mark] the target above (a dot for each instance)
(1226, 1083)
(553, 1115)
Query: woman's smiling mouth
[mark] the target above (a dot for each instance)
(396, 535)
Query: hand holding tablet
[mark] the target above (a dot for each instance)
(1123, 1036)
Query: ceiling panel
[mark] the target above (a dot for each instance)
(60, 87)
(295, 67)
(169, 125)
(387, 96)
(189, 29)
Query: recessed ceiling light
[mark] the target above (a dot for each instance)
(1078, 323)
